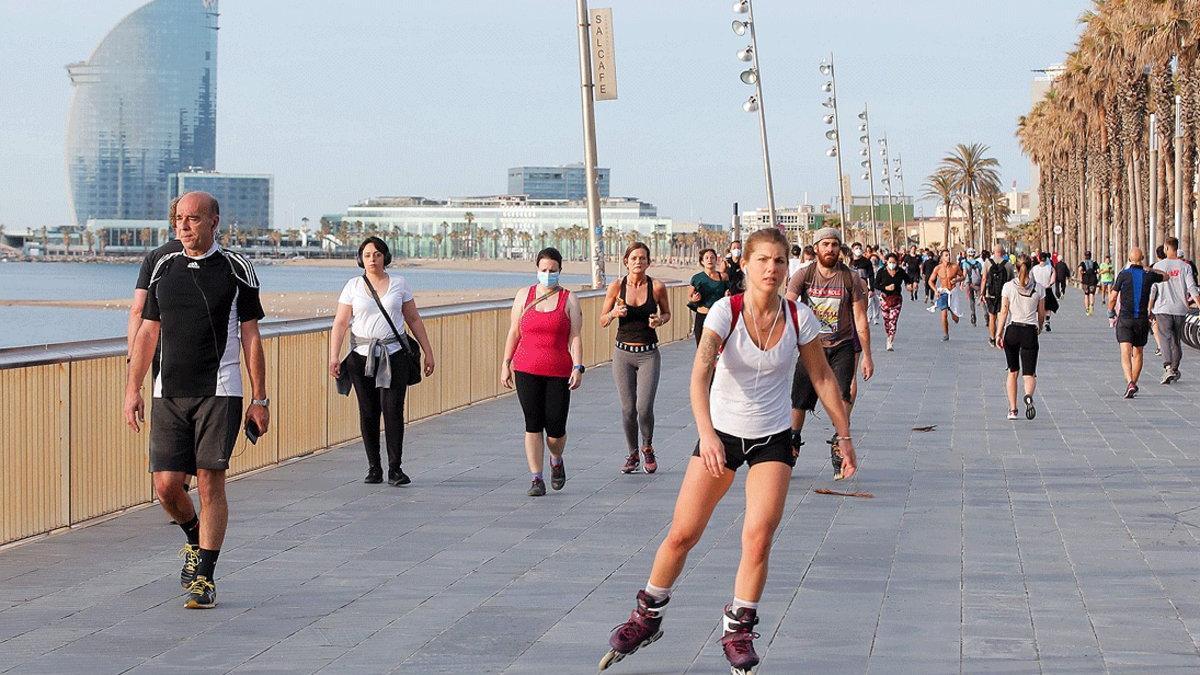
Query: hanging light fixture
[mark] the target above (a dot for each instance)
(751, 105)
(746, 54)
(740, 27)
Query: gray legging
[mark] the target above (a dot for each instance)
(636, 376)
(1170, 332)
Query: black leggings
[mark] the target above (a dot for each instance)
(698, 326)
(545, 401)
(1021, 348)
(374, 403)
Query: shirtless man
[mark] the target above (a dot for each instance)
(942, 281)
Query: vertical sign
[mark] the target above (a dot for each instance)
(604, 59)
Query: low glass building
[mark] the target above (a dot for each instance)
(555, 182)
(144, 106)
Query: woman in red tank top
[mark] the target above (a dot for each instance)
(543, 356)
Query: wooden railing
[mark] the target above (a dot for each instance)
(66, 456)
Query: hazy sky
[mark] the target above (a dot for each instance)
(343, 101)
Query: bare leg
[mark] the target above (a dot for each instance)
(214, 510)
(1127, 360)
(1030, 386)
(766, 491)
(945, 322)
(1010, 387)
(698, 496)
(175, 501)
(1135, 363)
(535, 451)
(556, 445)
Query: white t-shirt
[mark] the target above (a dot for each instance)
(367, 321)
(751, 394)
(1043, 275)
(1022, 308)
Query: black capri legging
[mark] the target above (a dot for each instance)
(545, 401)
(698, 326)
(1021, 348)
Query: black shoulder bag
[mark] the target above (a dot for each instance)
(412, 350)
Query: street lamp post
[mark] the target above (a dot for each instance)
(868, 166)
(834, 134)
(886, 180)
(752, 76)
(587, 96)
(899, 174)
(1153, 210)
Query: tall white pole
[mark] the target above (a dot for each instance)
(1178, 169)
(837, 144)
(586, 94)
(1151, 230)
(762, 121)
(887, 185)
(870, 174)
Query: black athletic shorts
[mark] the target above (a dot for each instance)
(1089, 289)
(545, 402)
(993, 305)
(1134, 331)
(193, 433)
(739, 451)
(841, 361)
(1021, 348)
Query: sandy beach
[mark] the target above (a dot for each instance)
(658, 270)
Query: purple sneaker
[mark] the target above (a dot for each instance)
(738, 641)
(631, 463)
(649, 461)
(643, 627)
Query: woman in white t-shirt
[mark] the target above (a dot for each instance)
(1023, 307)
(378, 370)
(742, 406)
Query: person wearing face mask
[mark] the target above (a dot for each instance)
(891, 281)
(543, 356)
(733, 267)
(640, 305)
(707, 288)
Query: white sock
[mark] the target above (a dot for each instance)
(657, 592)
(739, 603)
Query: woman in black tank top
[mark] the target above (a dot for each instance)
(640, 305)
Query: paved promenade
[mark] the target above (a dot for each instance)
(1067, 544)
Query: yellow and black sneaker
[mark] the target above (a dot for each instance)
(202, 594)
(191, 558)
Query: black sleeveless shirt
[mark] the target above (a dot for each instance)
(634, 327)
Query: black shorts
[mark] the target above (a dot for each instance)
(993, 305)
(841, 361)
(739, 451)
(1089, 289)
(1021, 348)
(1134, 331)
(545, 402)
(194, 433)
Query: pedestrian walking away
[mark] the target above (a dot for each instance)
(1131, 294)
(1169, 308)
(640, 305)
(891, 281)
(543, 358)
(1045, 276)
(997, 271)
(1089, 279)
(972, 268)
(377, 309)
(1062, 272)
(944, 280)
(838, 298)
(1022, 312)
(707, 288)
(202, 304)
(1106, 277)
(740, 404)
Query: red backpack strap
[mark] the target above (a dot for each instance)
(736, 302)
(795, 319)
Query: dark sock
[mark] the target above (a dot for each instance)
(192, 529)
(208, 563)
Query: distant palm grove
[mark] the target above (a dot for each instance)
(1090, 135)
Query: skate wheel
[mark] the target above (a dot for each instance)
(610, 658)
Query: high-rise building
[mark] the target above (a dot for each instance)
(555, 182)
(246, 199)
(1042, 82)
(144, 107)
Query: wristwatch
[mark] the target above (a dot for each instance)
(580, 367)
(264, 402)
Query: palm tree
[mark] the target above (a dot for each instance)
(941, 185)
(972, 172)
(473, 247)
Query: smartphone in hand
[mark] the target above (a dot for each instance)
(252, 433)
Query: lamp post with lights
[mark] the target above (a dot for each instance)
(752, 76)
(834, 134)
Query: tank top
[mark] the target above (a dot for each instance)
(634, 327)
(542, 348)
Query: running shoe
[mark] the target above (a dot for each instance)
(558, 475)
(374, 475)
(945, 338)
(1175, 375)
(1131, 390)
(1157, 351)
(398, 478)
(202, 594)
(1012, 414)
(537, 488)
(649, 462)
(191, 558)
(889, 345)
(631, 463)
(1168, 375)
(1030, 411)
(992, 341)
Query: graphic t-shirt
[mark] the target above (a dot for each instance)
(201, 304)
(831, 301)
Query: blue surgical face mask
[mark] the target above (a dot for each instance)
(548, 279)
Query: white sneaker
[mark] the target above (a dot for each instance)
(1168, 375)
(1012, 414)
